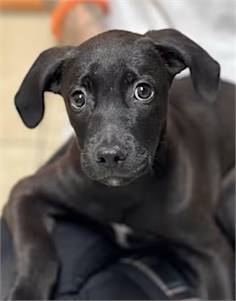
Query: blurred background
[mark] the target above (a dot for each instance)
(28, 27)
(24, 32)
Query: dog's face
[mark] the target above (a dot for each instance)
(115, 88)
(116, 102)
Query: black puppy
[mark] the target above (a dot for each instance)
(154, 167)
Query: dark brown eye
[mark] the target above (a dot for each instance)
(143, 92)
(78, 100)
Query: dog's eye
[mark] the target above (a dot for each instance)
(143, 92)
(78, 100)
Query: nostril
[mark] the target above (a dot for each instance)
(117, 159)
(110, 156)
(101, 160)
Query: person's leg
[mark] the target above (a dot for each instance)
(92, 267)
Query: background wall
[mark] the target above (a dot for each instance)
(22, 37)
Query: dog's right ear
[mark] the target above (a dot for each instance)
(44, 75)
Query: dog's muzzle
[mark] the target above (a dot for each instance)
(115, 164)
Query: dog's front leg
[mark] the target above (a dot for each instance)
(36, 258)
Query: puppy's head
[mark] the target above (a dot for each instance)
(115, 88)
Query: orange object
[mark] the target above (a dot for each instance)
(63, 9)
(22, 5)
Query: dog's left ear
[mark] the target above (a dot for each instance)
(180, 52)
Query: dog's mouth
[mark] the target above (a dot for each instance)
(114, 180)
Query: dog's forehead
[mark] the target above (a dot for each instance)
(110, 40)
(113, 48)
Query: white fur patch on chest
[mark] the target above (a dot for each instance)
(122, 233)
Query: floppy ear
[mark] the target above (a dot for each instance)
(44, 75)
(180, 52)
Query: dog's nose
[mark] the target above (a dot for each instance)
(110, 156)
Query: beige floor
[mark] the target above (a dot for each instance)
(22, 37)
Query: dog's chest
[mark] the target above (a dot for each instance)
(122, 234)
(135, 218)
(130, 227)
(127, 237)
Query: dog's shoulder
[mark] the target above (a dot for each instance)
(212, 121)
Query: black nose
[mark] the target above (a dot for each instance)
(110, 156)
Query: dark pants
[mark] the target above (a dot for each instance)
(92, 267)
